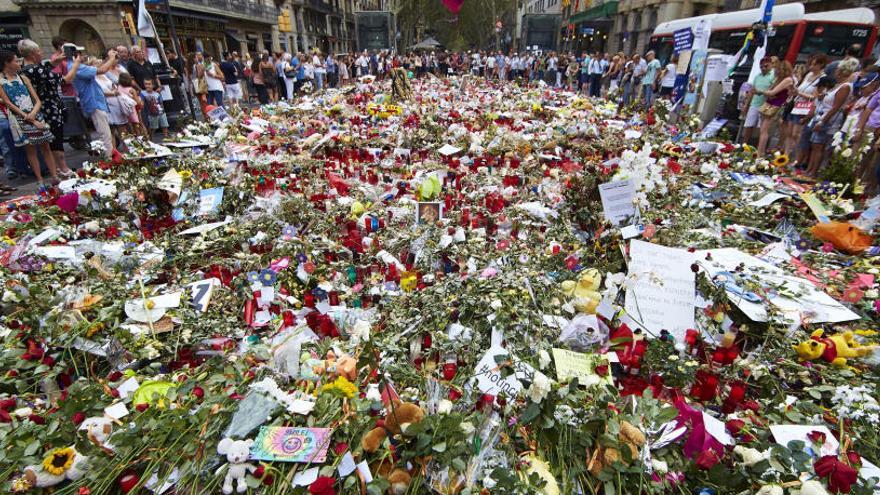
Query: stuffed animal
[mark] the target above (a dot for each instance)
(236, 452)
(399, 416)
(584, 291)
(59, 465)
(98, 430)
(629, 437)
(344, 365)
(834, 350)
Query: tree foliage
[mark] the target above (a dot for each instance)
(474, 27)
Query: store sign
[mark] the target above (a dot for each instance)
(587, 30)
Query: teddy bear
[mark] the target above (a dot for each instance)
(313, 368)
(68, 463)
(834, 350)
(629, 437)
(236, 452)
(98, 430)
(584, 291)
(399, 416)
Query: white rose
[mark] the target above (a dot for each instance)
(540, 387)
(467, 428)
(444, 406)
(871, 293)
(360, 332)
(373, 393)
(846, 153)
(495, 304)
(813, 487)
(770, 490)
(543, 359)
(749, 455)
(659, 466)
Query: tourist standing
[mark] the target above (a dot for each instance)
(23, 109)
(47, 84)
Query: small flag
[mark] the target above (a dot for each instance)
(145, 22)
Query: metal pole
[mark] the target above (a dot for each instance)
(175, 45)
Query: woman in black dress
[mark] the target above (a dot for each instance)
(47, 84)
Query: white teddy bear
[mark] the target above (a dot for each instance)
(37, 476)
(98, 430)
(236, 452)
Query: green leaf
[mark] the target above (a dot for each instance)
(609, 488)
(32, 448)
(530, 413)
(440, 447)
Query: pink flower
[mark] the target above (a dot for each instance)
(827, 247)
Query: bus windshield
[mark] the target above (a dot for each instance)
(834, 39)
(662, 46)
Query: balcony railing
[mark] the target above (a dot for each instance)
(243, 9)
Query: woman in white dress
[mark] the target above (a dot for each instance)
(115, 113)
(289, 81)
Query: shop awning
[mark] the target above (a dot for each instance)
(605, 10)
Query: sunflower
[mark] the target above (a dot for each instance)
(341, 387)
(59, 461)
(781, 160)
(748, 149)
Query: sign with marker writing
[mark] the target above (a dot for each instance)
(661, 295)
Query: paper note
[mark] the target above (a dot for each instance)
(288, 444)
(218, 115)
(171, 182)
(768, 199)
(717, 429)
(207, 227)
(116, 411)
(570, 364)
(210, 200)
(448, 150)
(810, 304)
(661, 296)
(127, 387)
(617, 200)
(305, 478)
(783, 434)
(201, 293)
(364, 469)
(346, 465)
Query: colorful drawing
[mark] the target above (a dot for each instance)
(284, 443)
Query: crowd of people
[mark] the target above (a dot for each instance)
(794, 110)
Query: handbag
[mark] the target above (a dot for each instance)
(24, 132)
(201, 86)
(768, 111)
(290, 73)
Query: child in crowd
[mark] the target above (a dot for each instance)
(132, 105)
(155, 112)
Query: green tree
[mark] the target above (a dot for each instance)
(474, 27)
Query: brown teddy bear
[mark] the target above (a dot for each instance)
(629, 436)
(398, 417)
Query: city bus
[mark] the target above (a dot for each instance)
(794, 36)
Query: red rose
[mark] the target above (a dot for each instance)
(78, 417)
(37, 419)
(114, 376)
(142, 407)
(323, 486)
(840, 477)
(49, 361)
(340, 448)
(198, 392)
(707, 459)
(853, 459)
(259, 472)
(735, 426)
(816, 437)
(7, 404)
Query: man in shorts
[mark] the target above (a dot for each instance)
(751, 113)
(231, 77)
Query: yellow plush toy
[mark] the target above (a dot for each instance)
(584, 290)
(835, 349)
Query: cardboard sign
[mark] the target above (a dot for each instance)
(617, 201)
(662, 295)
(288, 444)
(201, 293)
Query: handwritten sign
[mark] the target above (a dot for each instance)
(201, 293)
(662, 295)
(288, 444)
(570, 364)
(617, 200)
(490, 378)
(210, 200)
